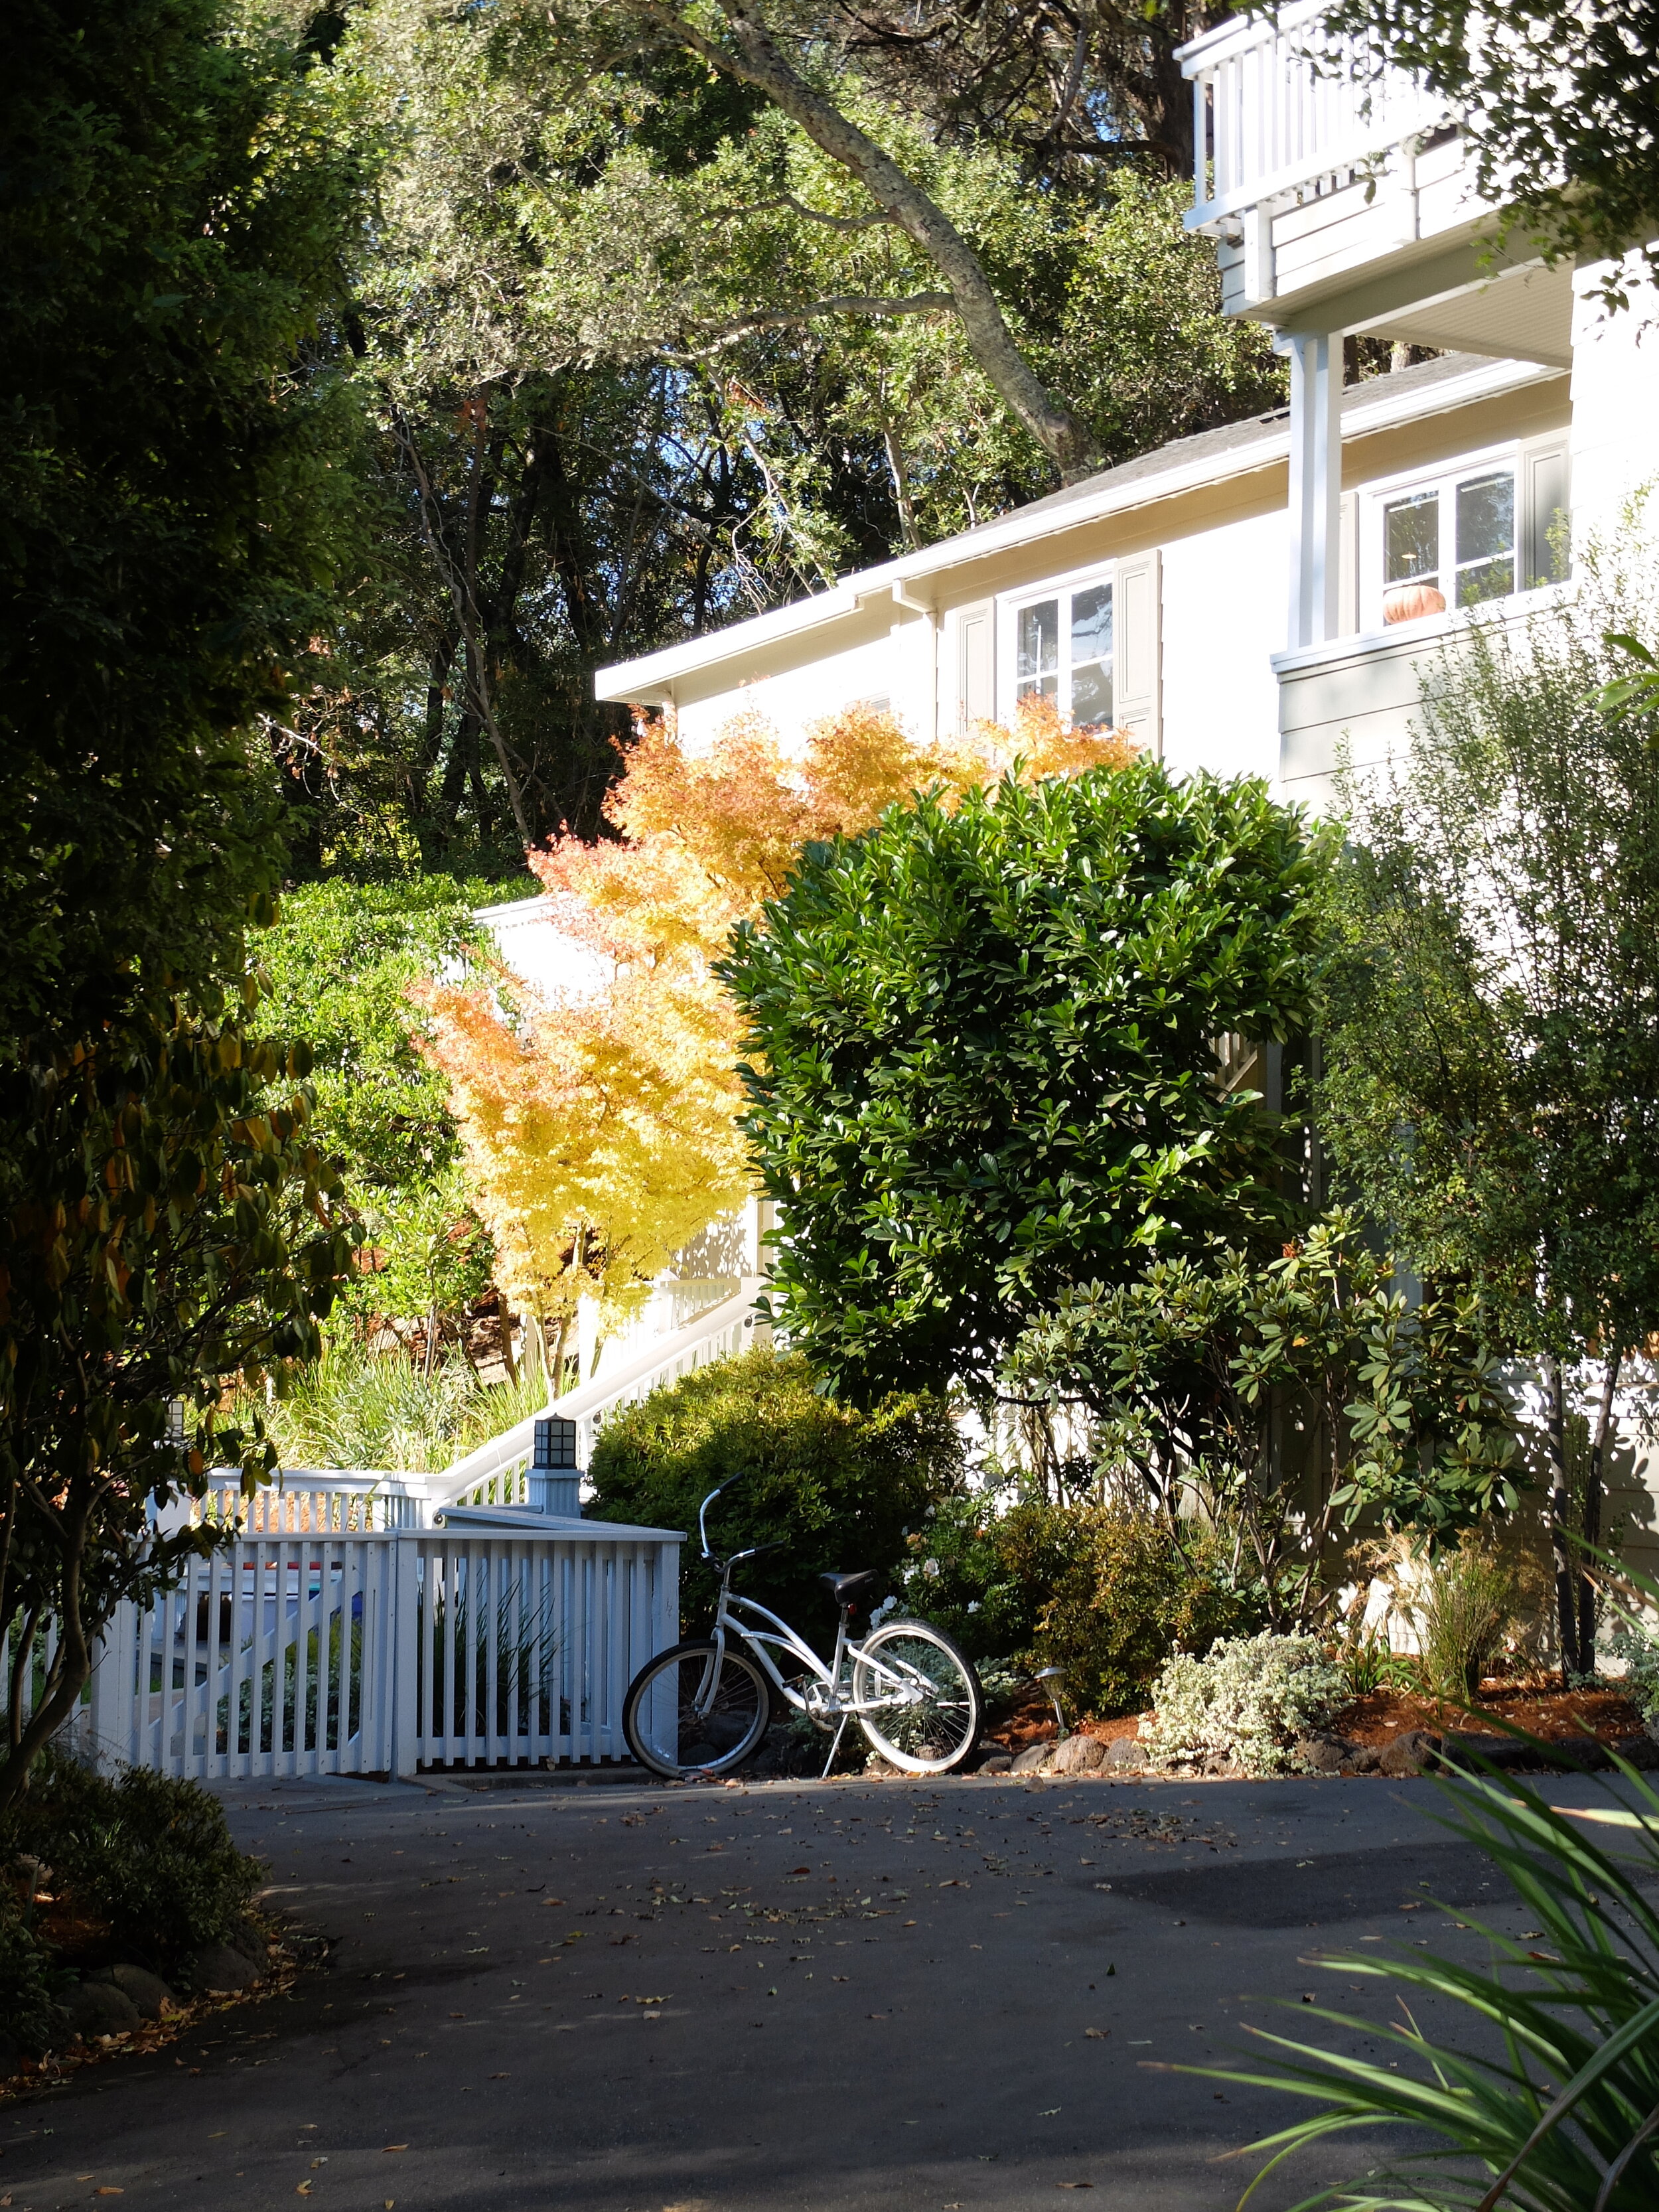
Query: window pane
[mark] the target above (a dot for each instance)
(1037, 646)
(1092, 696)
(1485, 579)
(1091, 624)
(1411, 538)
(1486, 538)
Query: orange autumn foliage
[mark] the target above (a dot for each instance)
(600, 1128)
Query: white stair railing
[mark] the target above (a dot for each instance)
(485, 1475)
(305, 1501)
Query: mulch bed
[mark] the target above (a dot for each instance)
(1535, 1703)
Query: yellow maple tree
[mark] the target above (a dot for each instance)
(600, 1128)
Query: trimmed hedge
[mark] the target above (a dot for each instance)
(836, 1489)
(152, 1856)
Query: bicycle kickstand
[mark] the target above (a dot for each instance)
(835, 1748)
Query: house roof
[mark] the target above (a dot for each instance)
(1186, 464)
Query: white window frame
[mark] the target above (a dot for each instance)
(1442, 478)
(1010, 606)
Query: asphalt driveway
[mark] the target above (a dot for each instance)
(831, 1996)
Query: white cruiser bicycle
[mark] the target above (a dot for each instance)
(703, 1707)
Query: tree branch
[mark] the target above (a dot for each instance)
(759, 61)
(852, 303)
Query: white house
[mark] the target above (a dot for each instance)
(1247, 600)
(1235, 599)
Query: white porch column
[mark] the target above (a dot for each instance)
(1315, 358)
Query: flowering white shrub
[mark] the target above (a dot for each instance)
(1247, 1701)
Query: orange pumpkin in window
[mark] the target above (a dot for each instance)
(1406, 602)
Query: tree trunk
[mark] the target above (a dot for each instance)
(508, 1361)
(1560, 1505)
(759, 61)
(70, 1670)
(1593, 1514)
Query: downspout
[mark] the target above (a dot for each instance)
(904, 596)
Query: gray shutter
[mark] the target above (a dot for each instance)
(1545, 509)
(976, 665)
(1137, 672)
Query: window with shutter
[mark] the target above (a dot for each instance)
(1140, 669)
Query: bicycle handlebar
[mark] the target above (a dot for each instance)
(702, 1513)
(754, 1551)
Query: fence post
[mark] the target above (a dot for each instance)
(112, 1691)
(667, 1623)
(404, 1655)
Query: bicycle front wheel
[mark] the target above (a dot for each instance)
(695, 1710)
(926, 1707)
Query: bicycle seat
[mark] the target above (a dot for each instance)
(848, 1589)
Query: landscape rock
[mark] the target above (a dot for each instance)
(12, 2056)
(222, 1971)
(1078, 1754)
(1126, 1755)
(99, 2009)
(999, 1762)
(1640, 1752)
(1413, 1751)
(1320, 1753)
(148, 1992)
(1034, 1759)
(1365, 1760)
(1471, 1750)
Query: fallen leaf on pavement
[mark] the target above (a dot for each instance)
(394, 2147)
(1074, 2184)
(1095, 2035)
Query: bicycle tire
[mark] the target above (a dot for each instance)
(660, 1734)
(939, 1734)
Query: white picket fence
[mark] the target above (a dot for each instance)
(378, 1622)
(387, 1651)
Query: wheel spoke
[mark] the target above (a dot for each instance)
(696, 1712)
(930, 1718)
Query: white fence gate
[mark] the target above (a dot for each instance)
(382, 1651)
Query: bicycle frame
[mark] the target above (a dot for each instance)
(830, 1697)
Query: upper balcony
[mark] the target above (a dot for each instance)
(1340, 201)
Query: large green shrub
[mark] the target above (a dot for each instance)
(982, 1047)
(1107, 1593)
(151, 1856)
(834, 1488)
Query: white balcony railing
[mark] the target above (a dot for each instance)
(1280, 104)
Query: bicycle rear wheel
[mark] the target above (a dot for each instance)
(929, 1704)
(695, 1710)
